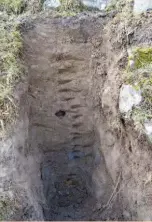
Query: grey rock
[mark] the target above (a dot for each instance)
(131, 64)
(100, 4)
(141, 5)
(129, 97)
(51, 4)
(148, 127)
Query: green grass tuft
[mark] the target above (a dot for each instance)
(140, 77)
(71, 7)
(12, 6)
(10, 71)
(142, 57)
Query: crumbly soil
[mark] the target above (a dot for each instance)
(75, 157)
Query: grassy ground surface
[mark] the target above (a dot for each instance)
(10, 67)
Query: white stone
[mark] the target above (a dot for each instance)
(148, 128)
(142, 5)
(129, 97)
(51, 4)
(100, 4)
(130, 52)
(131, 64)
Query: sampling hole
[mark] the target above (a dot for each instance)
(130, 149)
(60, 113)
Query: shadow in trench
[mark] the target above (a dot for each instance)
(75, 183)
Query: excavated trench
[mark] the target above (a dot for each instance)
(71, 155)
(62, 64)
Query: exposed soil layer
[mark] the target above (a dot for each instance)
(73, 171)
(71, 155)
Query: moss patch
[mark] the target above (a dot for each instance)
(140, 115)
(140, 77)
(142, 57)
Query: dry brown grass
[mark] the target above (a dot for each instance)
(10, 70)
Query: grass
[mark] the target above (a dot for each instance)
(3, 210)
(6, 207)
(117, 5)
(10, 71)
(17, 7)
(71, 7)
(12, 6)
(140, 77)
(67, 8)
(141, 56)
